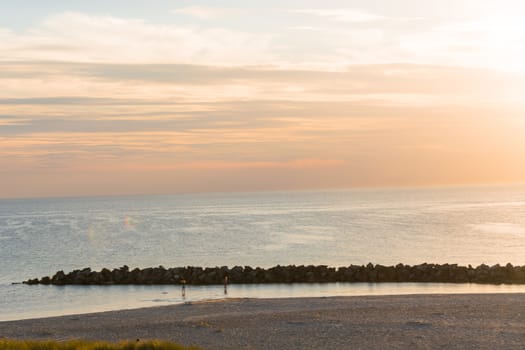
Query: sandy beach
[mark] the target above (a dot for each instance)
(484, 321)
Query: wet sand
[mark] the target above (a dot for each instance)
(483, 321)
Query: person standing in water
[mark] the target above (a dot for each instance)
(226, 284)
(183, 283)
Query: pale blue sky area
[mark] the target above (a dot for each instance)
(263, 14)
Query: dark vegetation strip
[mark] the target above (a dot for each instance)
(447, 273)
(7, 344)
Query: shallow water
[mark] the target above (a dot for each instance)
(68, 300)
(466, 225)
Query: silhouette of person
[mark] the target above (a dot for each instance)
(183, 282)
(226, 284)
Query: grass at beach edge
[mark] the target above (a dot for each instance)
(10, 344)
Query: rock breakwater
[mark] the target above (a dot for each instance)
(445, 273)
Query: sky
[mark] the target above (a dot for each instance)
(114, 97)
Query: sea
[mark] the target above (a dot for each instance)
(463, 225)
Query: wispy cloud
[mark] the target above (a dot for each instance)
(308, 28)
(7, 121)
(377, 39)
(493, 41)
(77, 37)
(343, 14)
(98, 84)
(207, 12)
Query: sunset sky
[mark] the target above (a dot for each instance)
(118, 97)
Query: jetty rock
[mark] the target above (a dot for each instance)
(442, 273)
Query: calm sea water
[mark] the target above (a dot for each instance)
(470, 225)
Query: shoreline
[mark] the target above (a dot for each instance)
(72, 300)
(466, 321)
